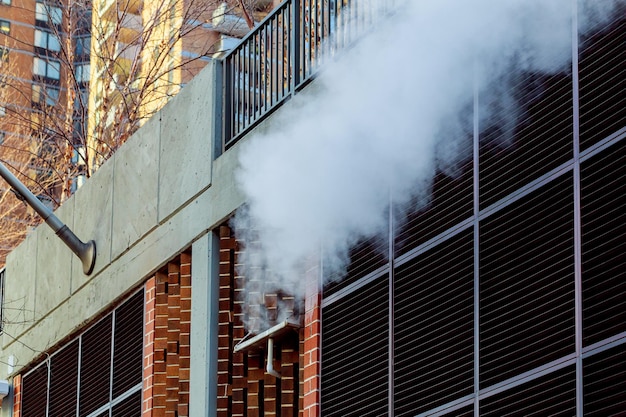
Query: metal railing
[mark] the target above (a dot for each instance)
(284, 52)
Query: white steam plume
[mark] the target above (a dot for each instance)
(387, 115)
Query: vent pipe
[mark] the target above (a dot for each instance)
(85, 251)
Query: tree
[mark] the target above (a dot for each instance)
(97, 70)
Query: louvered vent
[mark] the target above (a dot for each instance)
(128, 345)
(434, 327)
(95, 366)
(603, 79)
(128, 407)
(64, 381)
(80, 372)
(365, 257)
(604, 383)
(527, 283)
(355, 353)
(527, 137)
(451, 203)
(35, 392)
(553, 394)
(603, 192)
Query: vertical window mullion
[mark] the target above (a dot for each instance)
(577, 214)
(476, 210)
(391, 382)
(112, 359)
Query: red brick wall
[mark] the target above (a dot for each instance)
(17, 396)
(166, 351)
(148, 348)
(244, 388)
(312, 345)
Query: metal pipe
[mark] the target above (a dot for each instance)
(85, 251)
(270, 359)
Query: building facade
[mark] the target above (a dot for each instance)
(503, 295)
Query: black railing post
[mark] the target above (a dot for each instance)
(228, 113)
(295, 45)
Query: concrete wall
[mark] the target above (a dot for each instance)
(154, 197)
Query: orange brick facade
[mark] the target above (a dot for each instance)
(244, 387)
(166, 340)
(17, 396)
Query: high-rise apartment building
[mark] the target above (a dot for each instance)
(44, 67)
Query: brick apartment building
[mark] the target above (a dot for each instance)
(505, 295)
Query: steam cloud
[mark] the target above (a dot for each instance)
(385, 117)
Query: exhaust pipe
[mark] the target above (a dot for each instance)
(86, 252)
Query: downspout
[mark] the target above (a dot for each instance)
(86, 252)
(270, 359)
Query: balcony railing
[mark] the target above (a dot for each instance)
(284, 52)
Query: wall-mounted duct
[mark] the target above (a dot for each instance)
(258, 341)
(85, 251)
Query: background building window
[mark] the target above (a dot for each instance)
(47, 40)
(5, 26)
(48, 14)
(82, 72)
(47, 68)
(45, 94)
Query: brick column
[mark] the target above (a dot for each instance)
(17, 396)
(184, 336)
(167, 340)
(148, 347)
(312, 344)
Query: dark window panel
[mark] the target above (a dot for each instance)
(604, 383)
(365, 257)
(553, 394)
(355, 354)
(434, 319)
(527, 283)
(129, 407)
(128, 345)
(451, 202)
(64, 381)
(35, 392)
(603, 194)
(95, 366)
(602, 74)
(528, 136)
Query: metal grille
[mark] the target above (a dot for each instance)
(434, 327)
(77, 379)
(603, 79)
(355, 356)
(542, 224)
(128, 345)
(35, 392)
(366, 257)
(551, 395)
(527, 283)
(95, 366)
(64, 381)
(451, 203)
(604, 243)
(131, 406)
(604, 376)
(528, 138)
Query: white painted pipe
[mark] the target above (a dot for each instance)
(270, 359)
